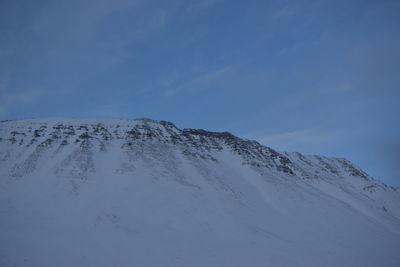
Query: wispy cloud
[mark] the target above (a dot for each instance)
(12, 101)
(283, 12)
(202, 81)
(110, 110)
(197, 6)
(387, 155)
(300, 140)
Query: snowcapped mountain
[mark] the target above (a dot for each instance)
(77, 192)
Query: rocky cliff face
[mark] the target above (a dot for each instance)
(195, 182)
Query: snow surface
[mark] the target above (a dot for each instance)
(89, 192)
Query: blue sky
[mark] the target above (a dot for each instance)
(318, 77)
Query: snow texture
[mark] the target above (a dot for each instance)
(88, 192)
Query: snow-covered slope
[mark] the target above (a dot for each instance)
(141, 192)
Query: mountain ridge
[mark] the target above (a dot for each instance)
(98, 125)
